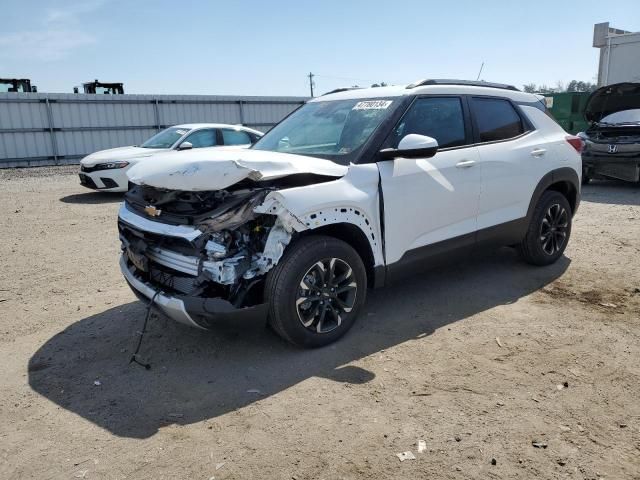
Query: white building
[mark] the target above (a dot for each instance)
(619, 54)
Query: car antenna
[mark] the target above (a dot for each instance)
(481, 67)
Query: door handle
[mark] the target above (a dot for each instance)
(465, 163)
(538, 152)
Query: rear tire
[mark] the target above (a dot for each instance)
(316, 291)
(549, 230)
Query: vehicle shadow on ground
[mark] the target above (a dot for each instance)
(198, 375)
(615, 192)
(93, 198)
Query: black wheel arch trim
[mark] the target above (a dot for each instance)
(564, 174)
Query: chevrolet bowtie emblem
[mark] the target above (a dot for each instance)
(152, 211)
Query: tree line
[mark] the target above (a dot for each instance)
(572, 86)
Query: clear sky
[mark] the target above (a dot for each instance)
(268, 47)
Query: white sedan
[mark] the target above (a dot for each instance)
(106, 170)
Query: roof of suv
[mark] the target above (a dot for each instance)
(432, 87)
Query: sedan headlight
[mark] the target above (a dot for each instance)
(110, 165)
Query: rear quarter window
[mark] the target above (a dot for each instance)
(235, 137)
(496, 119)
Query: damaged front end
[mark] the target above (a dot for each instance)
(204, 254)
(612, 141)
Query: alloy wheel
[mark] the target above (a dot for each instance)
(553, 231)
(326, 293)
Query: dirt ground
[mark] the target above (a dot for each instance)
(479, 360)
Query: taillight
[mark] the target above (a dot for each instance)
(575, 142)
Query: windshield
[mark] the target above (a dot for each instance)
(166, 138)
(334, 130)
(625, 116)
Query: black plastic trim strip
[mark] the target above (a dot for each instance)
(564, 174)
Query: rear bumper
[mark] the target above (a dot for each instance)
(193, 311)
(619, 166)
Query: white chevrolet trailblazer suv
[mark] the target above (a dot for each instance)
(106, 170)
(349, 192)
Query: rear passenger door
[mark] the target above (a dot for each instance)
(510, 151)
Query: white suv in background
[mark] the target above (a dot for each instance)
(351, 191)
(106, 170)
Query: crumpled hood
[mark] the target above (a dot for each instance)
(198, 170)
(611, 99)
(120, 153)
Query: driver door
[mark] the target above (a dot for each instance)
(431, 204)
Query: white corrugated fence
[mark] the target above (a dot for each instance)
(60, 128)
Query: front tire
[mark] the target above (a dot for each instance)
(316, 291)
(549, 230)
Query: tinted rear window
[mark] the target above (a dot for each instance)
(496, 119)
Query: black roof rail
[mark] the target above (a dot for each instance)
(343, 89)
(468, 83)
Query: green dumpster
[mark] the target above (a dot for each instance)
(568, 109)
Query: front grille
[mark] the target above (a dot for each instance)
(168, 262)
(621, 148)
(622, 171)
(152, 239)
(175, 261)
(178, 283)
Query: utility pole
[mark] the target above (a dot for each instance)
(311, 75)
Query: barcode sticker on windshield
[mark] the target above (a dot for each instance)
(373, 105)
(181, 132)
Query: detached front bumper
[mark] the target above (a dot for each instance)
(622, 166)
(193, 311)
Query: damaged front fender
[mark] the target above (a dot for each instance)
(353, 200)
(274, 205)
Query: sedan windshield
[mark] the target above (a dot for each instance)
(166, 138)
(335, 130)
